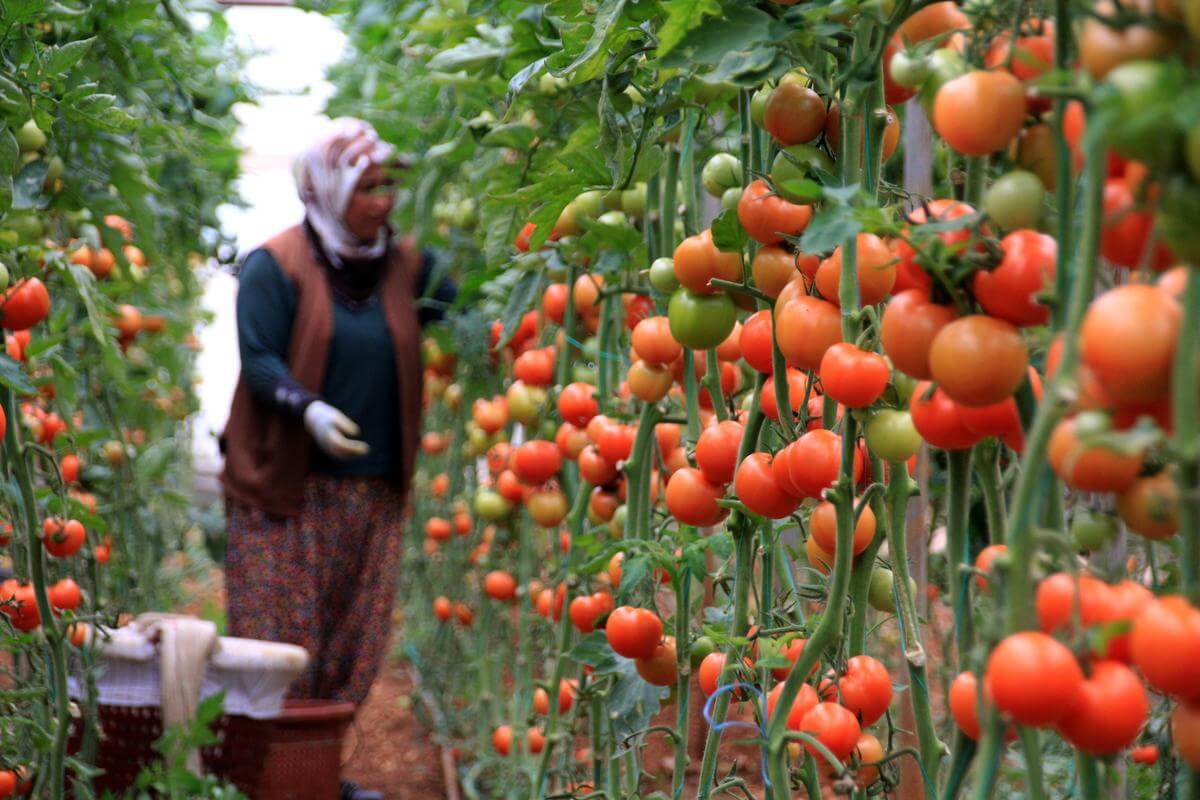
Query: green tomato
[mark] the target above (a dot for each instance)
(700, 321)
(590, 204)
(758, 105)
(616, 525)
(30, 137)
(797, 163)
(54, 168)
(28, 227)
(611, 199)
(613, 219)
(1143, 129)
(909, 70)
(633, 201)
(904, 386)
(1191, 150)
(723, 171)
(583, 373)
(3, 276)
(1092, 530)
(944, 65)
(892, 436)
(662, 275)
(633, 94)
(489, 505)
(701, 647)
(706, 91)
(879, 593)
(731, 198)
(551, 85)
(1015, 200)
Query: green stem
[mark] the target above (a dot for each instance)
(1089, 777)
(860, 578)
(683, 669)
(1019, 532)
(1062, 166)
(988, 469)
(638, 471)
(899, 489)
(1187, 431)
(712, 380)
(958, 508)
(669, 203)
(562, 368)
(691, 397)
(743, 575)
(962, 751)
(991, 750)
(973, 189)
(1031, 746)
(57, 658)
(687, 173)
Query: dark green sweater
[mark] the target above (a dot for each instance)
(360, 376)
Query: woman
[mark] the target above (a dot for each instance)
(326, 419)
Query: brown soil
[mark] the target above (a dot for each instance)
(387, 748)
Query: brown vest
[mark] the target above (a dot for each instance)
(267, 451)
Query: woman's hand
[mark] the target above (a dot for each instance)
(333, 431)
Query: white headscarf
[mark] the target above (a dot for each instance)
(326, 177)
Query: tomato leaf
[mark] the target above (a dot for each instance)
(29, 186)
(728, 234)
(682, 17)
(13, 376)
(516, 135)
(518, 82)
(588, 63)
(594, 651)
(64, 57)
(520, 300)
(470, 56)
(829, 228)
(9, 151)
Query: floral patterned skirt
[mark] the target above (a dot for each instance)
(324, 580)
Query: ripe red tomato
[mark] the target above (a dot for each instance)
(717, 451)
(963, 702)
(1110, 713)
(907, 329)
(536, 461)
(768, 217)
(500, 585)
(866, 688)
(615, 441)
(442, 609)
(1010, 290)
(806, 327)
(692, 498)
(980, 112)
(874, 266)
(653, 342)
(854, 377)
(984, 561)
(1146, 754)
(25, 305)
(595, 468)
(554, 302)
(755, 341)
(1034, 679)
(756, 487)
(833, 726)
(806, 700)
(1128, 341)
(1150, 507)
(1185, 733)
(936, 417)
(63, 539)
(772, 268)
(577, 403)
(1092, 468)
(709, 672)
(535, 367)
(1126, 232)
(814, 462)
(659, 669)
(769, 403)
(1165, 644)
(978, 360)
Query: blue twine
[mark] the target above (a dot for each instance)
(603, 354)
(721, 727)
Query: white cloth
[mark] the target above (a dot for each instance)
(333, 431)
(326, 176)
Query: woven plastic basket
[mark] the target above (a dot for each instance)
(304, 756)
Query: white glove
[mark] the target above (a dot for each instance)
(333, 431)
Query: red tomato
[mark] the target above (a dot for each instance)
(1034, 679)
(1128, 341)
(767, 401)
(717, 451)
(1010, 290)
(806, 327)
(1165, 644)
(984, 561)
(1092, 468)
(63, 539)
(768, 217)
(822, 527)
(854, 377)
(25, 304)
(755, 342)
(814, 462)
(980, 112)
(874, 266)
(866, 688)
(659, 669)
(756, 487)
(554, 302)
(500, 585)
(692, 498)
(978, 360)
(536, 461)
(1126, 232)
(577, 403)
(1146, 754)
(806, 700)
(909, 324)
(937, 419)
(833, 726)
(653, 342)
(1110, 713)
(697, 261)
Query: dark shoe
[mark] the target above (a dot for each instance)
(352, 791)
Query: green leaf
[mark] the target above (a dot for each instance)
(592, 650)
(29, 186)
(518, 82)
(64, 57)
(13, 376)
(801, 190)
(85, 282)
(516, 135)
(12, 100)
(9, 151)
(727, 232)
(100, 111)
(829, 228)
(470, 55)
(520, 300)
(682, 17)
(587, 64)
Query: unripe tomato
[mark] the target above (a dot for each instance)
(699, 321)
(1092, 530)
(649, 383)
(634, 632)
(1093, 468)
(1014, 200)
(662, 275)
(891, 435)
(721, 172)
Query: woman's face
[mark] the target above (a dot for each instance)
(371, 203)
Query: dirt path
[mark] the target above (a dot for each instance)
(387, 748)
